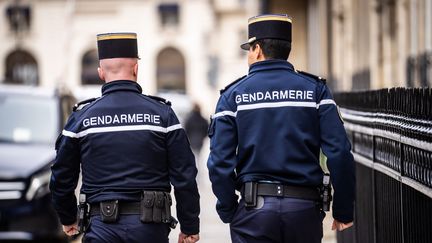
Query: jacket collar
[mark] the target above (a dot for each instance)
(121, 85)
(270, 65)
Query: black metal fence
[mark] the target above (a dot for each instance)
(391, 135)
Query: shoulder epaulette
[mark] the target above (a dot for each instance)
(160, 99)
(78, 106)
(318, 78)
(231, 84)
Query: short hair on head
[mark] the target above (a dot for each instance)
(274, 48)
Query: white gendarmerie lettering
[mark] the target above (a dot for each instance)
(146, 118)
(140, 118)
(121, 129)
(283, 94)
(292, 94)
(156, 119)
(108, 119)
(86, 123)
(245, 98)
(238, 99)
(131, 118)
(115, 120)
(307, 104)
(275, 95)
(121, 119)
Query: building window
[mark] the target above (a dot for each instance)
(169, 14)
(171, 71)
(19, 17)
(21, 68)
(89, 66)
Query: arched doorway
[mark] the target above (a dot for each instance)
(171, 71)
(89, 65)
(21, 68)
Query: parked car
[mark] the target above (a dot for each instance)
(31, 119)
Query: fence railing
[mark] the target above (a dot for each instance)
(391, 135)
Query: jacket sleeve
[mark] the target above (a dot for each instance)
(64, 176)
(337, 148)
(222, 160)
(182, 172)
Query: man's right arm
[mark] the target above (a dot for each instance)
(336, 147)
(182, 173)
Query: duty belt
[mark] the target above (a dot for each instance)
(279, 190)
(125, 208)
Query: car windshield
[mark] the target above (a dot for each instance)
(28, 119)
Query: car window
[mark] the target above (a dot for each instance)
(28, 119)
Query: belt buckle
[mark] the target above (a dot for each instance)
(279, 190)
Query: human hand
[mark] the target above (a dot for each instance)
(192, 238)
(183, 238)
(341, 226)
(71, 229)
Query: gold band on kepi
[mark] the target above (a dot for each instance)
(116, 45)
(268, 26)
(113, 36)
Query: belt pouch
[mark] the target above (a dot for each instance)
(166, 213)
(158, 207)
(109, 211)
(250, 194)
(147, 203)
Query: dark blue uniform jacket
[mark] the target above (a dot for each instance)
(125, 142)
(270, 126)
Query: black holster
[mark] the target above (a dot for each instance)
(83, 214)
(326, 196)
(250, 194)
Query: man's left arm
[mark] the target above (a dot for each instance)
(64, 177)
(336, 146)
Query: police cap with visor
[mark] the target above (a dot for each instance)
(117, 45)
(268, 26)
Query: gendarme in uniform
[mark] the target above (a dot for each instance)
(268, 128)
(131, 148)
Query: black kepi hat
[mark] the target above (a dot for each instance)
(268, 26)
(115, 45)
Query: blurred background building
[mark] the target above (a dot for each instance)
(190, 48)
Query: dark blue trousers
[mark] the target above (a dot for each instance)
(127, 229)
(279, 220)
